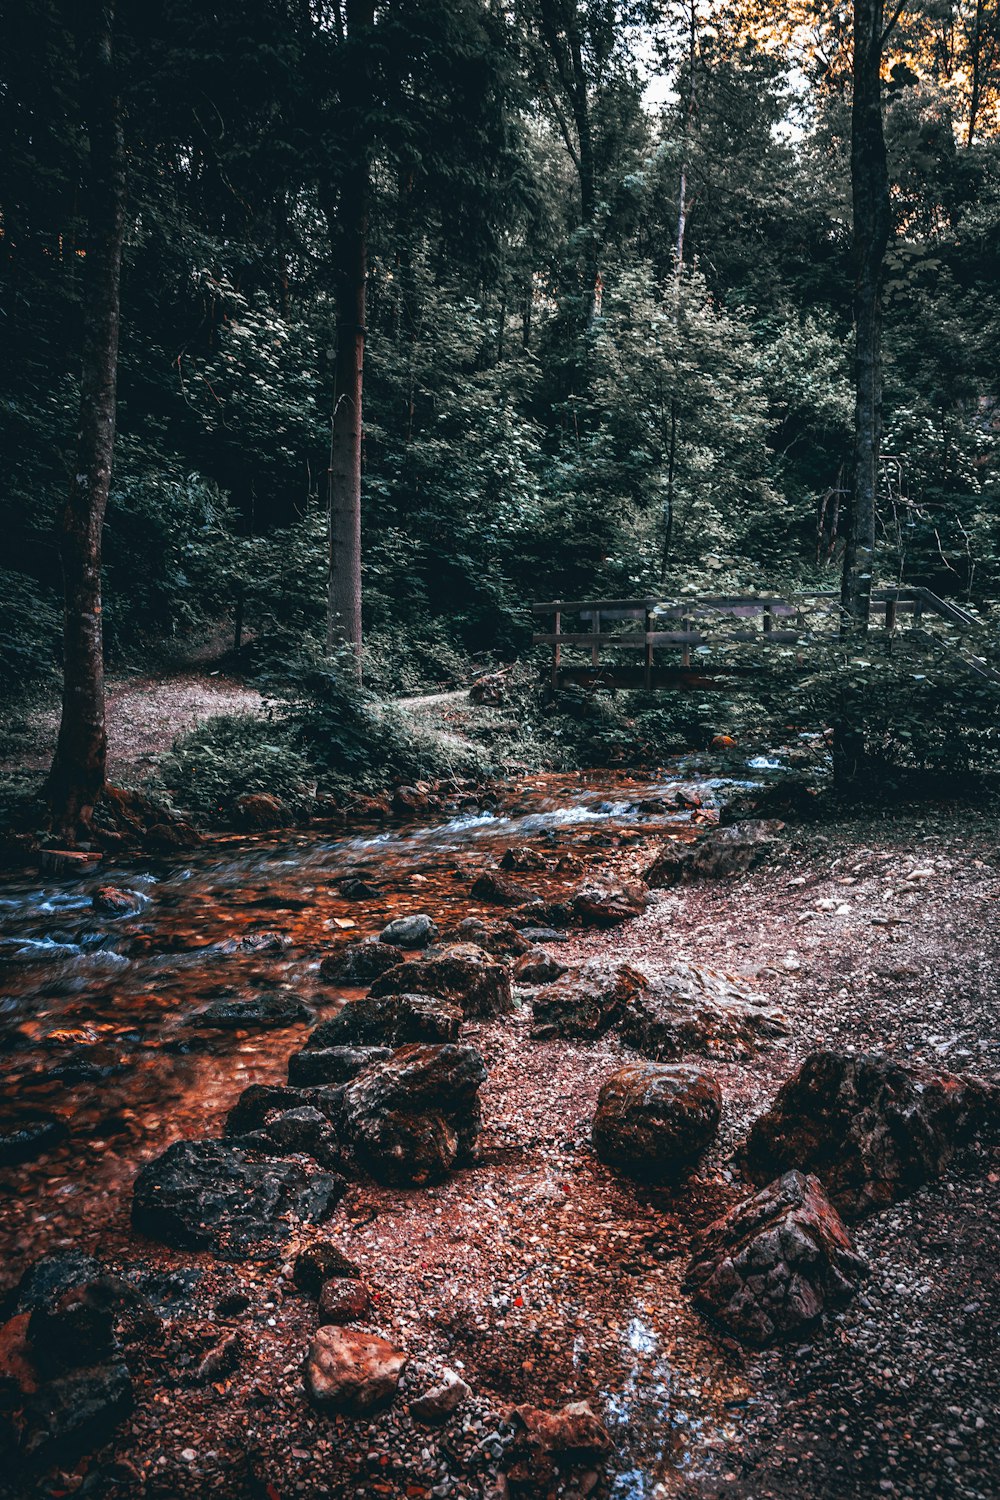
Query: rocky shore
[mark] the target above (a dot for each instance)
(619, 1163)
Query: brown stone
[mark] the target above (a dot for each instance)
(653, 1120)
(350, 1370)
(772, 1265)
(871, 1129)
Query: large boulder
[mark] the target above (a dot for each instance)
(76, 1412)
(388, 1020)
(331, 1065)
(586, 1002)
(360, 963)
(463, 975)
(261, 1013)
(226, 1197)
(682, 1009)
(349, 1370)
(871, 1129)
(262, 1102)
(413, 1117)
(606, 902)
(725, 852)
(772, 1265)
(654, 1120)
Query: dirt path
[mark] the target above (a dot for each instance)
(145, 716)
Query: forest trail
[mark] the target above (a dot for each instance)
(146, 714)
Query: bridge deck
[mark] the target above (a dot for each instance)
(712, 638)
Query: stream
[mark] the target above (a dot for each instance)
(98, 1053)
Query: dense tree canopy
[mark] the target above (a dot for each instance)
(553, 400)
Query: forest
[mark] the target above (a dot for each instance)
(499, 726)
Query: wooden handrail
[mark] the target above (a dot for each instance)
(696, 632)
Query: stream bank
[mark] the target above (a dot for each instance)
(541, 1274)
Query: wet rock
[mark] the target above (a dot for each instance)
(413, 1117)
(496, 937)
(409, 932)
(411, 801)
(263, 1101)
(261, 810)
(303, 1130)
(538, 967)
(390, 1020)
(685, 1009)
(356, 888)
(348, 1370)
(23, 1140)
(499, 890)
(114, 902)
(319, 1263)
(331, 1065)
(871, 1129)
(654, 1120)
(586, 1002)
(772, 1265)
(548, 1439)
(261, 1013)
(80, 1315)
(523, 859)
(359, 963)
(607, 902)
(544, 935)
(76, 1412)
(343, 1301)
(725, 852)
(442, 1400)
(255, 942)
(463, 975)
(221, 1196)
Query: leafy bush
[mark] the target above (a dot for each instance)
(232, 755)
(29, 634)
(356, 741)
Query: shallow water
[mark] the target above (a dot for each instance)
(96, 1010)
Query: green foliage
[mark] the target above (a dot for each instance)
(354, 740)
(30, 626)
(231, 756)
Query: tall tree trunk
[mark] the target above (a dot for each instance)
(349, 231)
(78, 774)
(870, 190)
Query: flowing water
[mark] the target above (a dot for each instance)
(96, 1010)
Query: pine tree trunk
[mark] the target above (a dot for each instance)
(78, 774)
(349, 229)
(870, 189)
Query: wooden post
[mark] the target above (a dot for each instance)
(686, 653)
(768, 619)
(648, 676)
(595, 650)
(556, 653)
(890, 615)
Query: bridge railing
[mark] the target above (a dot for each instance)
(706, 634)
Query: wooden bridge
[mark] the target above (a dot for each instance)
(700, 641)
